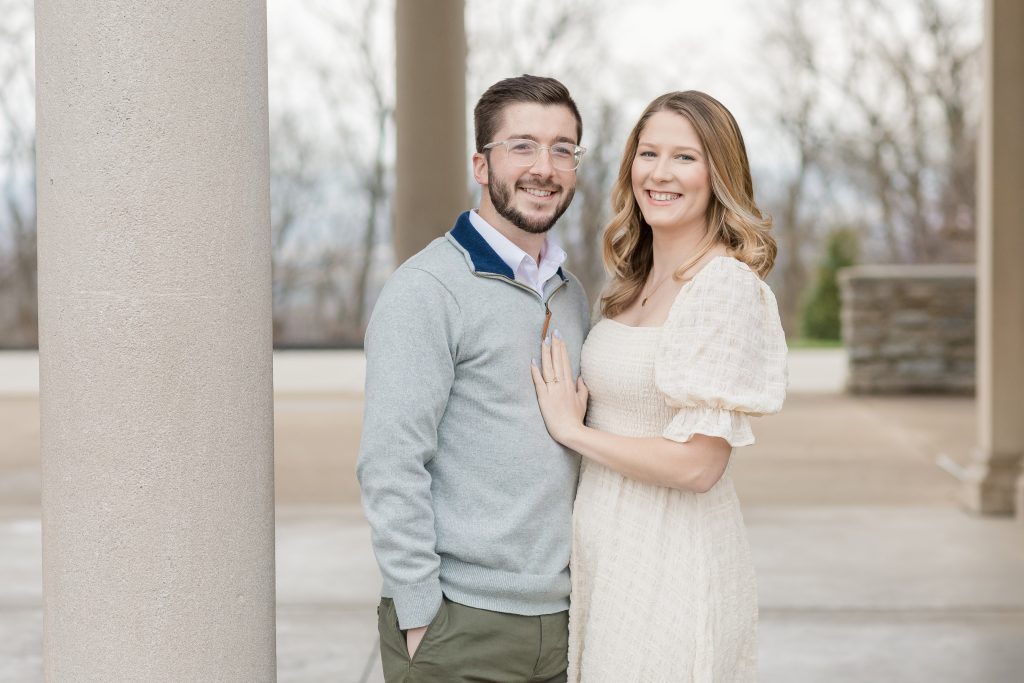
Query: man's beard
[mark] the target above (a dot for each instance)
(501, 198)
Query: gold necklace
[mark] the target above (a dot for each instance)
(643, 302)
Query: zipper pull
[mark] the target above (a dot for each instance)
(547, 322)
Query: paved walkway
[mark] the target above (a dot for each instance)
(868, 569)
(343, 372)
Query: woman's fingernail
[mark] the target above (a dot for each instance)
(547, 339)
(533, 362)
(558, 334)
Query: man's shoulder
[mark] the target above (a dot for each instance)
(440, 258)
(436, 268)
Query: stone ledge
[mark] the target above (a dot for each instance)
(901, 272)
(909, 328)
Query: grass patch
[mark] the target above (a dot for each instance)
(805, 343)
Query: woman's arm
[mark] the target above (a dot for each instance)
(696, 465)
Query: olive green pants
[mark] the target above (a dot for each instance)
(468, 644)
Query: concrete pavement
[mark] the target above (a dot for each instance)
(343, 372)
(868, 570)
(858, 594)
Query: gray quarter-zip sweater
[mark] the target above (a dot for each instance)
(466, 492)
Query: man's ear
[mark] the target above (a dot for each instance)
(480, 169)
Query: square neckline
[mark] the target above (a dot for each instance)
(682, 289)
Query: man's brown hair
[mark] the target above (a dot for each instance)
(526, 88)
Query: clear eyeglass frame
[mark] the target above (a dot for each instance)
(564, 156)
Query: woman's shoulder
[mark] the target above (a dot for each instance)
(725, 278)
(725, 289)
(727, 267)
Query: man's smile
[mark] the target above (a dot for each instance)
(539, 193)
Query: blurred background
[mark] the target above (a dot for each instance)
(862, 121)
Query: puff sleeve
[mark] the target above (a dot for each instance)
(722, 354)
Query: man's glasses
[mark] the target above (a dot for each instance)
(565, 156)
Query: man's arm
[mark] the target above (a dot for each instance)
(410, 351)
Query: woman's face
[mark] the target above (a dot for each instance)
(670, 174)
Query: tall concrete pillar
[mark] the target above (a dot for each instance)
(155, 344)
(994, 485)
(430, 121)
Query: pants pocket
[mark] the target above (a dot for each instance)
(433, 633)
(398, 666)
(394, 655)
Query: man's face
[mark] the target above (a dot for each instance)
(531, 198)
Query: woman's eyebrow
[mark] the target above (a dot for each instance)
(676, 149)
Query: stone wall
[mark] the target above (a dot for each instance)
(909, 328)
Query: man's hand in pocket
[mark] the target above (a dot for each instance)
(413, 637)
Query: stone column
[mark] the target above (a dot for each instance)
(430, 122)
(155, 341)
(994, 485)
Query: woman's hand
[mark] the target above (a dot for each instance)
(563, 402)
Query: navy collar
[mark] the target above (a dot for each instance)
(483, 257)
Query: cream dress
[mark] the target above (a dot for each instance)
(663, 587)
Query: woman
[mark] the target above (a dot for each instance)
(689, 345)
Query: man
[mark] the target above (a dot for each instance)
(468, 497)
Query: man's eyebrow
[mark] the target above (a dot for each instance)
(527, 136)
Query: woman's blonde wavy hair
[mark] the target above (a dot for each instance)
(733, 219)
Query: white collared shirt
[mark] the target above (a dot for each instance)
(526, 270)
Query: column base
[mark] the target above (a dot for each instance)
(993, 484)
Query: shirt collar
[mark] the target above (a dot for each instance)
(507, 250)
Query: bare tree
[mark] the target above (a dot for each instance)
(367, 153)
(331, 140)
(375, 167)
(797, 117)
(294, 184)
(593, 190)
(17, 172)
(905, 126)
(878, 113)
(560, 39)
(532, 36)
